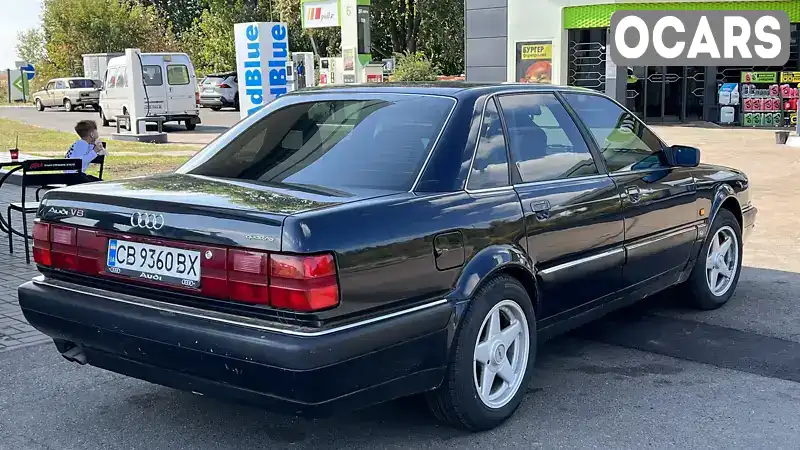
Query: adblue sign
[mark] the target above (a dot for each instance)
(262, 50)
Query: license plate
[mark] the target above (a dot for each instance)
(154, 262)
(208, 90)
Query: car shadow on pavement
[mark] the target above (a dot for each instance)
(631, 358)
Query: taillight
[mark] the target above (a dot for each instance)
(224, 86)
(196, 97)
(303, 283)
(41, 244)
(293, 282)
(247, 277)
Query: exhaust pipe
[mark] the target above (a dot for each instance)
(75, 354)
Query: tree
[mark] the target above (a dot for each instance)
(441, 35)
(400, 20)
(210, 41)
(31, 46)
(75, 27)
(181, 14)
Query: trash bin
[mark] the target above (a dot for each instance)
(781, 137)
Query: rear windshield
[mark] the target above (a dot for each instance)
(77, 84)
(375, 143)
(212, 80)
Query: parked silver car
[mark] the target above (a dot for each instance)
(219, 91)
(69, 93)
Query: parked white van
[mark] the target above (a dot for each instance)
(170, 83)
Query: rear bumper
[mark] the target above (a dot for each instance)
(86, 101)
(291, 370)
(215, 101)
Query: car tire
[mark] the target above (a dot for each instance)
(68, 105)
(39, 105)
(216, 108)
(190, 125)
(461, 401)
(236, 102)
(103, 117)
(719, 264)
(126, 122)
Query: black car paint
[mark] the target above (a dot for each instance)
(435, 245)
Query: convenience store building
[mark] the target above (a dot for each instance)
(565, 42)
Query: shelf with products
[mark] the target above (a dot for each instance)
(762, 103)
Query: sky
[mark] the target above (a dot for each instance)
(17, 15)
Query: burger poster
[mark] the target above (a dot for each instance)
(535, 62)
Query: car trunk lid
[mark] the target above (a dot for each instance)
(190, 208)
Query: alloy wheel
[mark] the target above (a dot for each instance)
(722, 261)
(501, 354)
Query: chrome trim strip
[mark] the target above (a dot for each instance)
(660, 238)
(436, 142)
(562, 180)
(214, 316)
(576, 262)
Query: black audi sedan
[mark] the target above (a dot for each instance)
(350, 245)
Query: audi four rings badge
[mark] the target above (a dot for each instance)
(147, 221)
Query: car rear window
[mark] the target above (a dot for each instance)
(371, 143)
(177, 75)
(78, 84)
(212, 80)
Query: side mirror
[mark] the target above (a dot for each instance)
(683, 156)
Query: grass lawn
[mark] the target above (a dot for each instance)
(124, 159)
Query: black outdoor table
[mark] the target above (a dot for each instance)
(8, 164)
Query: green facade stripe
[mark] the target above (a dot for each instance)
(599, 16)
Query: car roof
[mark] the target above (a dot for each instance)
(221, 74)
(446, 88)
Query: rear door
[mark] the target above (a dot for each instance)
(153, 78)
(180, 89)
(658, 200)
(574, 231)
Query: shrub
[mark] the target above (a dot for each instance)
(413, 67)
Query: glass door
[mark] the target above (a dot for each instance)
(673, 94)
(654, 94)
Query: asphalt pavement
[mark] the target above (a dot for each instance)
(212, 122)
(652, 376)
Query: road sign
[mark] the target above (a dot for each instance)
(29, 71)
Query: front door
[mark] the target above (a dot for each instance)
(574, 230)
(658, 200)
(51, 92)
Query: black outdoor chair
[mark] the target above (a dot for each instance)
(38, 173)
(101, 160)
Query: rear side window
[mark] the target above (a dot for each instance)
(78, 84)
(378, 143)
(122, 80)
(152, 75)
(177, 75)
(544, 140)
(61, 85)
(490, 168)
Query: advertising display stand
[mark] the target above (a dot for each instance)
(353, 19)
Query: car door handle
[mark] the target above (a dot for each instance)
(541, 206)
(634, 193)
